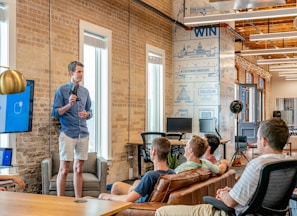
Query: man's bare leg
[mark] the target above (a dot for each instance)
(121, 188)
(77, 177)
(62, 175)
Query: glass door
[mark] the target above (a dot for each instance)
(252, 111)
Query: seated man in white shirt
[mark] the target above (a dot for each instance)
(271, 138)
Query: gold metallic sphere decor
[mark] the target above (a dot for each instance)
(11, 82)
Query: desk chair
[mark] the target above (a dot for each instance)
(147, 138)
(175, 136)
(277, 181)
(240, 147)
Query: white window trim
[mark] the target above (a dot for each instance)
(106, 98)
(161, 52)
(12, 64)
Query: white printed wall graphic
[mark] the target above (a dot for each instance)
(204, 74)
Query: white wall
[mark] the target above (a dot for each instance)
(280, 88)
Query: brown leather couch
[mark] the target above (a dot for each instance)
(187, 188)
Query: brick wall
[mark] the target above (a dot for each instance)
(132, 27)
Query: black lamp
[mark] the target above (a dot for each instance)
(236, 108)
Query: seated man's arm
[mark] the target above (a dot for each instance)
(223, 166)
(217, 169)
(225, 197)
(131, 197)
(16, 179)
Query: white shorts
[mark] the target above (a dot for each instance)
(73, 148)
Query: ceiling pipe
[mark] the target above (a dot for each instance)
(183, 25)
(232, 30)
(162, 14)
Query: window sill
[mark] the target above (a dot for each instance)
(6, 182)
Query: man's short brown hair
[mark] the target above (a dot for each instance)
(276, 132)
(199, 145)
(162, 146)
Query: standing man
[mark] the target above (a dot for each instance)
(72, 106)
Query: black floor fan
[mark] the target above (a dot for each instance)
(236, 108)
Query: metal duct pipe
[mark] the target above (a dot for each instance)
(162, 14)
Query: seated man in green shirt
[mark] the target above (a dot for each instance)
(194, 150)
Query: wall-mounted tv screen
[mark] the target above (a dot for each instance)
(16, 110)
(207, 125)
(182, 125)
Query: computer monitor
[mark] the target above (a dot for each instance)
(181, 125)
(207, 126)
(16, 110)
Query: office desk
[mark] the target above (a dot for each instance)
(182, 142)
(23, 204)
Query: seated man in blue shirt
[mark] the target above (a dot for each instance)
(159, 151)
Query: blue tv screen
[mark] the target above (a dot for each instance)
(16, 110)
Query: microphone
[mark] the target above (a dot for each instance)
(74, 91)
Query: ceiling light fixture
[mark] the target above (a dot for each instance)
(291, 79)
(283, 68)
(273, 36)
(268, 51)
(263, 14)
(276, 61)
(289, 74)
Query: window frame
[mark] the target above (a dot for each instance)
(11, 62)
(104, 147)
(159, 52)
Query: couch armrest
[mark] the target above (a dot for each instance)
(46, 174)
(143, 209)
(102, 168)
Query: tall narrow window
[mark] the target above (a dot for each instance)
(249, 78)
(7, 58)
(96, 54)
(155, 88)
(261, 99)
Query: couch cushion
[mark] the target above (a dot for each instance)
(55, 163)
(90, 182)
(168, 183)
(90, 165)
